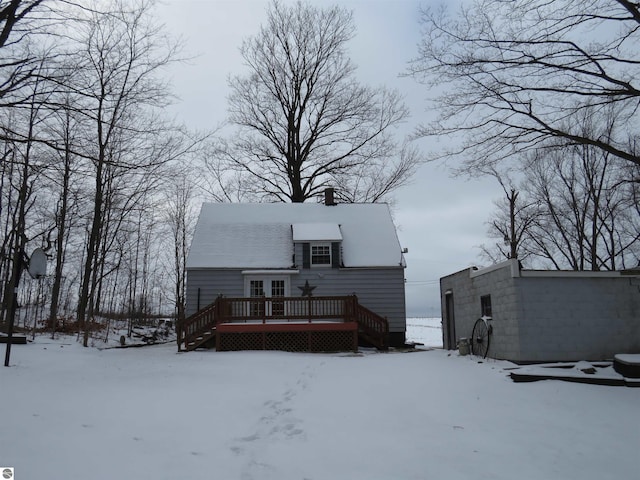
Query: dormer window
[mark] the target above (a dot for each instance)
(320, 254)
(320, 244)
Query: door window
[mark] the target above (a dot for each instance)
(267, 286)
(277, 290)
(256, 290)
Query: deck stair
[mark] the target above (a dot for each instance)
(294, 313)
(372, 328)
(199, 328)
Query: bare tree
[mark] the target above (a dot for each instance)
(19, 71)
(84, 150)
(18, 63)
(27, 166)
(574, 210)
(514, 73)
(304, 122)
(588, 220)
(63, 174)
(116, 75)
(180, 216)
(510, 225)
(13, 12)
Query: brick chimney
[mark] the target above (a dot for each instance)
(329, 199)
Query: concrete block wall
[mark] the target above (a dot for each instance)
(465, 310)
(505, 337)
(573, 318)
(467, 287)
(549, 316)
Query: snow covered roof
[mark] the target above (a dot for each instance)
(233, 245)
(308, 232)
(261, 235)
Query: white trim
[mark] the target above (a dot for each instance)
(320, 244)
(572, 274)
(492, 268)
(270, 272)
(266, 279)
(517, 272)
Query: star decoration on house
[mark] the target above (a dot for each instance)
(307, 290)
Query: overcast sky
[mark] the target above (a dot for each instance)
(440, 219)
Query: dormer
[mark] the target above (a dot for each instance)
(320, 244)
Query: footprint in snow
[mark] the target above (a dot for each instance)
(250, 438)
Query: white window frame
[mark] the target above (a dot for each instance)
(320, 265)
(267, 287)
(266, 279)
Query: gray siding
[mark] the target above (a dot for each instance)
(550, 316)
(208, 284)
(379, 289)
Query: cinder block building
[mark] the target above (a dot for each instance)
(541, 316)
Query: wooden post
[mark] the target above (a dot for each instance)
(264, 312)
(355, 341)
(386, 334)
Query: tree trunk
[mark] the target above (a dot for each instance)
(92, 245)
(61, 220)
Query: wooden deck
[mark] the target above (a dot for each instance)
(285, 323)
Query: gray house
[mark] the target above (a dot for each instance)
(273, 251)
(538, 316)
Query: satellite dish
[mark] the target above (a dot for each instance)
(38, 263)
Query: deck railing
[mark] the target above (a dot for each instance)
(285, 309)
(200, 326)
(372, 327)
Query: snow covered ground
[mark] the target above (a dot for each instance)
(152, 413)
(427, 331)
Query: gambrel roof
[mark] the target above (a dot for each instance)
(262, 235)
